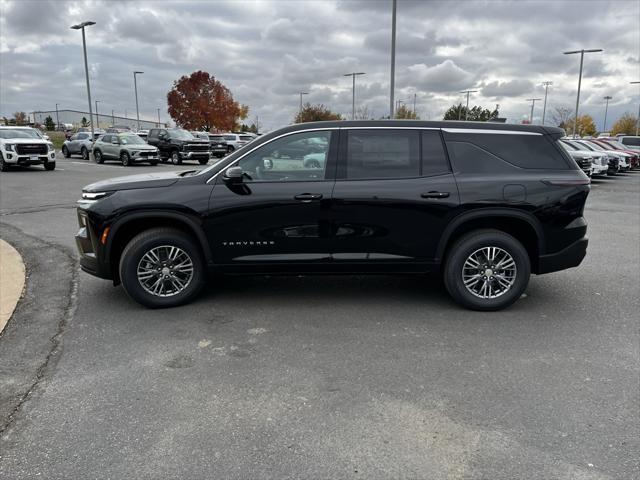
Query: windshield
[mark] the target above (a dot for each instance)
(131, 140)
(19, 133)
(616, 145)
(180, 134)
(635, 141)
(588, 146)
(596, 146)
(568, 145)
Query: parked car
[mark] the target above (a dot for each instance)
(619, 162)
(387, 200)
(630, 141)
(79, 143)
(143, 134)
(127, 148)
(118, 129)
(583, 160)
(219, 147)
(97, 132)
(24, 146)
(599, 161)
(178, 145)
(624, 159)
(612, 143)
(236, 140)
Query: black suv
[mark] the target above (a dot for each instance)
(178, 145)
(485, 204)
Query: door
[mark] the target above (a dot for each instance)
(106, 147)
(394, 195)
(76, 142)
(277, 216)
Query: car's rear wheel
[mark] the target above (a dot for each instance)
(85, 153)
(162, 267)
(486, 270)
(175, 158)
(97, 156)
(125, 159)
(65, 152)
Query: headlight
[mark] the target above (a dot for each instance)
(50, 145)
(9, 147)
(92, 197)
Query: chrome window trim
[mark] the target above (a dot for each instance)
(488, 131)
(390, 128)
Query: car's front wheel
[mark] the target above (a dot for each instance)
(486, 270)
(50, 166)
(162, 267)
(65, 152)
(125, 159)
(175, 158)
(4, 166)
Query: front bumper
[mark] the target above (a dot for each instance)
(569, 257)
(599, 169)
(195, 155)
(15, 159)
(88, 245)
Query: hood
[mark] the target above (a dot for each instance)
(130, 182)
(25, 140)
(140, 146)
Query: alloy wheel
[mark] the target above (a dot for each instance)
(165, 271)
(489, 272)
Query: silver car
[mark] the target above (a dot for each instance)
(128, 148)
(79, 143)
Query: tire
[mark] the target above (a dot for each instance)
(175, 158)
(65, 152)
(153, 163)
(136, 256)
(202, 161)
(125, 159)
(468, 250)
(97, 156)
(4, 166)
(85, 153)
(50, 166)
(230, 149)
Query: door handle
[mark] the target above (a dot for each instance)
(308, 197)
(434, 194)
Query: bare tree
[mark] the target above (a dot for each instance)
(362, 113)
(561, 115)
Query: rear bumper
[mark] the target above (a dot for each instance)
(569, 257)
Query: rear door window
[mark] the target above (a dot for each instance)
(434, 160)
(390, 153)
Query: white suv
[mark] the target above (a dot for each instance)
(237, 140)
(25, 146)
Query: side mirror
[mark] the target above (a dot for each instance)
(233, 175)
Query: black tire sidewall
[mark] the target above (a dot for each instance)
(50, 166)
(97, 156)
(65, 152)
(125, 159)
(84, 153)
(175, 158)
(144, 242)
(471, 242)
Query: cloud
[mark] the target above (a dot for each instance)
(269, 50)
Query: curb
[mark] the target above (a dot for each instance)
(12, 278)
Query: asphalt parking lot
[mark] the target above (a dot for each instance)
(316, 377)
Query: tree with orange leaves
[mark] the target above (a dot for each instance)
(200, 102)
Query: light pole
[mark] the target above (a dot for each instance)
(581, 52)
(606, 109)
(81, 26)
(113, 119)
(135, 87)
(546, 91)
(158, 118)
(393, 58)
(466, 112)
(533, 104)
(57, 118)
(414, 104)
(353, 92)
(638, 119)
(97, 116)
(301, 94)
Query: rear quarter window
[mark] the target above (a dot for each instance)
(523, 151)
(633, 141)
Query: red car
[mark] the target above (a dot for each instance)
(614, 144)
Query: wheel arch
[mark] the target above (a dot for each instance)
(130, 225)
(521, 225)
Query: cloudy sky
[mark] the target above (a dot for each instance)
(266, 51)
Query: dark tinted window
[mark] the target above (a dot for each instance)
(524, 151)
(106, 138)
(469, 158)
(153, 133)
(83, 136)
(635, 141)
(434, 160)
(382, 154)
